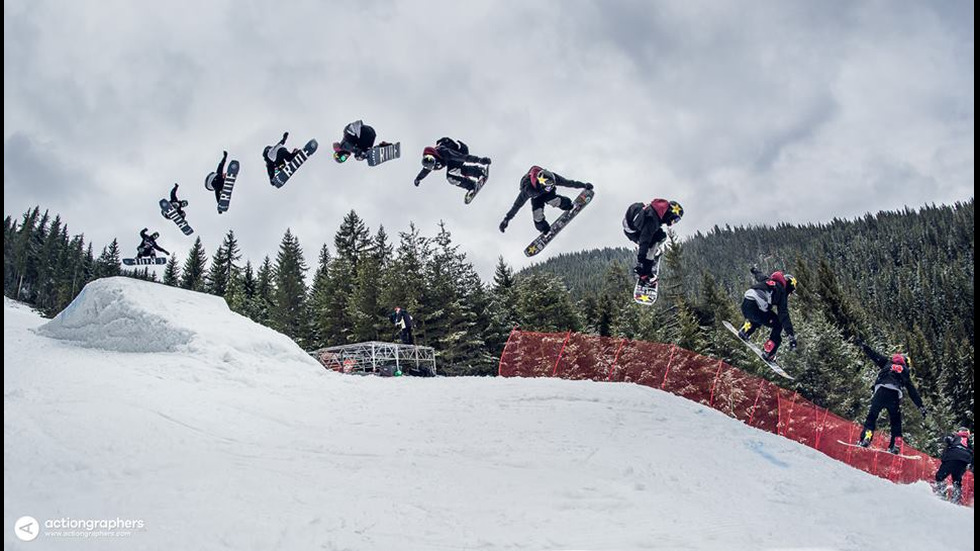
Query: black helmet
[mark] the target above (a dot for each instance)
(545, 178)
(790, 283)
(674, 213)
(155, 235)
(429, 161)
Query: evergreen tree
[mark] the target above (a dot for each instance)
(192, 276)
(171, 274)
(223, 267)
(264, 291)
(108, 263)
(289, 313)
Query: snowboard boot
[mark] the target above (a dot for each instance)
(865, 439)
(744, 332)
(896, 446)
(769, 351)
(542, 226)
(941, 489)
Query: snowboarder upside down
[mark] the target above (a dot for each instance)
(277, 156)
(462, 169)
(215, 181)
(642, 225)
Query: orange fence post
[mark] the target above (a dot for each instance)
(757, 396)
(711, 399)
(615, 359)
(560, 352)
(663, 383)
(504, 351)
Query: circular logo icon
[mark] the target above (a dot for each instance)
(27, 528)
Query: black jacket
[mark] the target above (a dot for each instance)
(449, 153)
(958, 448)
(358, 139)
(530, 188)
(777, 297)
(643, 225)
(893, 375)
(150, 243)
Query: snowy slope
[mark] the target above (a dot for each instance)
(226, 436)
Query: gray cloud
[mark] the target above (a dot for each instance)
(747, 113)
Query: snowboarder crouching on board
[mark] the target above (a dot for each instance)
(462, 169)
(215, 181)
(642, 225)
(149, 247)
(769, 293)
(538, 185)
(357, 140)
(894, 376)
(277, 156)
(956, 458)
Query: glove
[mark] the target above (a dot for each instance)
(417, 182)
(224, 153)
(503, 225)
(588, 185)
(792, 342)
(485, 160)
(285, 135)
(754, 269)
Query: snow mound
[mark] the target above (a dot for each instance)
(121, 314)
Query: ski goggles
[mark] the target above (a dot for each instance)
(341, 156)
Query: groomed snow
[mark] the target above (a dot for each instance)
(161, 405)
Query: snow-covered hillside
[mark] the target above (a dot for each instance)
(150, 403)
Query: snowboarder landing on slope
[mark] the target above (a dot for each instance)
(215, 181)
(403, 319)
(894, 377)
(957, 457)
(462, 169)
(538, 185)
(148, 247)
(176, 203)
(357, 140)
(277, 156)
(642, 225)
(769, 293)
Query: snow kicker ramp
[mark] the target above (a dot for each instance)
(121, 314)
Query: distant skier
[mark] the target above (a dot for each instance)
(463, 170)
(176, 203)
(148, 247)
(358, 139)
(215, 181)
(277, 156)
(401, 318)
(642, 225)
(538, 185)
(768, 293)
(894, 376)
(957, 457)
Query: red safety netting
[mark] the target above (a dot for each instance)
(752, 400)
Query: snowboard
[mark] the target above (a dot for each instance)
(471, 194)
(542, 240)
(878, 450)
(224, 201)
(758, 351)
(383, 153)
(145, 261)
(284, 173)
(647, 294)
(170, 213)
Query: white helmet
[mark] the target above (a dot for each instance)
(209, 181)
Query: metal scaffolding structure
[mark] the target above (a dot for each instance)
(379, 358)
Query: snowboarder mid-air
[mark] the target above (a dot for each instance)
(148, 247)
(401, 318)
(462, 169)
(894, 377)
(769, 293)
(276, 156)
(538, 185)
(957, 457)
(643, 225)
(358, 139)
(215, 181)
(176, 203)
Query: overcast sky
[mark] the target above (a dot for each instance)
(745, 112)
